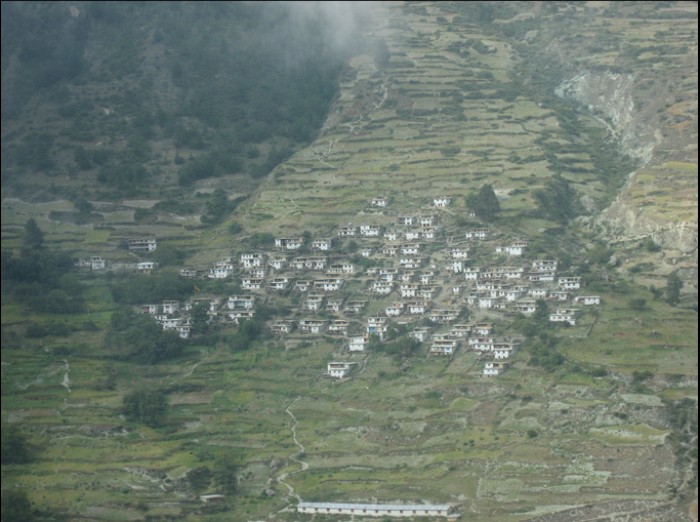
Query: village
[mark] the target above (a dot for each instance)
(357, 285)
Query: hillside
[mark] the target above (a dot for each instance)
(492, 227)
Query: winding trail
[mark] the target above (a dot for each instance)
(303, 465)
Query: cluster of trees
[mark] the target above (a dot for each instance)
(558, 200)
(150, 288)
(540, 343)
(138, 338)
(239, 75)
(145, 405)
(484, 204)
(41, 278)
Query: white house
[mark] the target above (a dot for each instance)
(188, 272)
(525, 306)
(171, 307)
(409, 249)
(412, 234)
(241, 315)
(410, 263)
(377, 325)
(493, 368)
(395, 309)
(303, 285)
(482, 344)
(347, 231)
(252, 283)
(322, 244)
(97, 263)
(277, 262)
(416, 308)
(420, 333)
(516, 249)
(283, 326)
(313, 326)
(570, 283)
(289, 243)
(587, 300)
(564, 316)
(354, 306)
(313, 302)
(471, 274)
(146, 266)
(455, 265)
(309, 263)
(537, 292)
(329, 285)
(150, 309)
(427, 221)
(252, 260)
(344, 267)
(142, 245)
(357, 343)
(482, 329)
(370, 230)
(479, 233)
(382, 287)
(339, 327)
(407, 221)
(443, 347)
(334, 305)
(457, 253)
(442, 201)
(379, 201)
(279, 283)
(444, 315)
(339, 370)
(544, 265)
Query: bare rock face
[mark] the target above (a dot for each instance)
(655, 202)
(622, 219)
(609, 96)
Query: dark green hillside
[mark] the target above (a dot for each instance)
(112, 99)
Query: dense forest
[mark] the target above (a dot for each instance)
(133, 95)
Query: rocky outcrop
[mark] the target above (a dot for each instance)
(623, 219)
(608, 96)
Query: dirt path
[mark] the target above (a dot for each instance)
(303, 466)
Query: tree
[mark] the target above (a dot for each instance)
(147, 406)
(138, 338)
(14, 446)
(16, 507)
(215, 208)
(199, 478)
(226, 475)
(200, 319)
(33, 236)
(557, 200)
(673, 288)
(485, 203)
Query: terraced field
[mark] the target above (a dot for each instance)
(447, 114)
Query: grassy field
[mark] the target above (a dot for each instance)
(433, 122)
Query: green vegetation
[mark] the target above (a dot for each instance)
(557, 201)
(484, 204)
(186, 112)
(146, 406)
(134, 337)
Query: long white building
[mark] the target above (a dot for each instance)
(377, 510)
